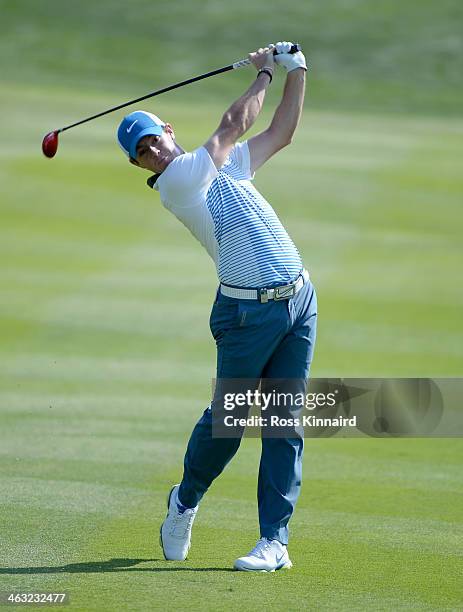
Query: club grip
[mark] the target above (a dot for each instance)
(245, 62)
(294, 49)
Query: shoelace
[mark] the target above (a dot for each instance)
(262, 545)
(181, 523)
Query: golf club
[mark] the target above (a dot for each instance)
(50, 141)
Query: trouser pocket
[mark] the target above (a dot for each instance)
(224, 317)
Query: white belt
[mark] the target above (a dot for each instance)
(283, 292)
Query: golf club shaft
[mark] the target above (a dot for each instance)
(245, 62)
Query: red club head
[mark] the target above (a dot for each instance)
(50, 144)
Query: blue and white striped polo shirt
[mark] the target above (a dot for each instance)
(230, 218)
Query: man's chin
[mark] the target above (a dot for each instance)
(164, 163)
(161, 164)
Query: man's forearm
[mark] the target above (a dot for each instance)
(289, 110)
(242, 114)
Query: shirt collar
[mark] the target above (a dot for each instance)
(152, 181)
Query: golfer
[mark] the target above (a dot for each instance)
(264, 316)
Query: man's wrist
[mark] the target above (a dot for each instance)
(267, 71)
(297, 73)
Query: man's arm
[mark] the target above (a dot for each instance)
(280, 132)
(242, 114)
(287, 115)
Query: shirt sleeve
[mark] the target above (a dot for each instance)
(241, 157)
(187, 178)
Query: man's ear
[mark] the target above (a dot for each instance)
(133, 161)
(170, 130)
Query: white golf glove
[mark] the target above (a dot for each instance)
(290, 61)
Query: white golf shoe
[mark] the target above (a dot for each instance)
(175, 536)
(266, 556)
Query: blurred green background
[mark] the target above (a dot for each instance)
(105, 353)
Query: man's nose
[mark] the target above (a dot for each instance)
(155, 150)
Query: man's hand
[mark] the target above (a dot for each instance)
(290, 61)
(263, 58)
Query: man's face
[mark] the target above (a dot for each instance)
(155, 153)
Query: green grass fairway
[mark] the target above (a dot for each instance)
(106, 361)
(394, 55)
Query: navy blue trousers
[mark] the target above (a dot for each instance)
(273, 340)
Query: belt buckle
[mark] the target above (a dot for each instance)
(284, 293)
(263, 296)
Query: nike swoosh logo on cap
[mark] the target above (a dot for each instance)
(129, 128)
